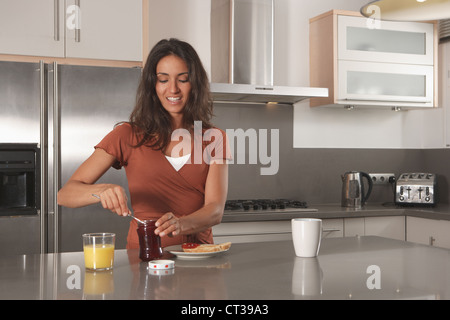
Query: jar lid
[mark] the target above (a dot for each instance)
(161, 264)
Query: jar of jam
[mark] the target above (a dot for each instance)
(149, 242)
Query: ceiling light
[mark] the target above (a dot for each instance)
(407, 10)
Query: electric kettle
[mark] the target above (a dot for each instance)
(353, 195)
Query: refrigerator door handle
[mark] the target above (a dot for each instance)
(43, 154)
(56, 160)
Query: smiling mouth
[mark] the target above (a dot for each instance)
(173, 99)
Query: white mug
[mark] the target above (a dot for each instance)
(306, 236)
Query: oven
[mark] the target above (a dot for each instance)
(19, 179)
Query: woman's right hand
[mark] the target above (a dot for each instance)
(114, 198)
(79, 189)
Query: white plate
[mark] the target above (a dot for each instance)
(178, 251)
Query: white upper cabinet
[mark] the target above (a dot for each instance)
(108, 29)
(88, 29)
(366, 63)
(360, 39)
(386, 83)
(32, 27)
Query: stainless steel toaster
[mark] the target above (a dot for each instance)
(416, 189)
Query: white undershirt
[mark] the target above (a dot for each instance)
(178, 163)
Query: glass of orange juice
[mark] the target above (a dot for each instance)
(98, 251)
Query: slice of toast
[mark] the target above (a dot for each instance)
(209, 247)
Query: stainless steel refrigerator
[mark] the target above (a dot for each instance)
(64, 110)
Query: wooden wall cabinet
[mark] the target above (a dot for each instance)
(375, 64)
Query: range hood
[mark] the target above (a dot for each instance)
(242, 55)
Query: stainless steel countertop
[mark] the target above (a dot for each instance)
(330, 211)
(346, 268)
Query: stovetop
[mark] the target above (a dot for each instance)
(265, 205)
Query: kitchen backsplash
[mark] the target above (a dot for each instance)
(312, 174)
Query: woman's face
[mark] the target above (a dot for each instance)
(172, 85)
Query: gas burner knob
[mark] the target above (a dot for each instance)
(255, 207)
(264, 206)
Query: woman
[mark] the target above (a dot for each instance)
(173, 94)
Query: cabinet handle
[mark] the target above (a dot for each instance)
(251, 233)
(78, 30)
(56, 20)
(419, 100)
(331, 230)
(432, 240)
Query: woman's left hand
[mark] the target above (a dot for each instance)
(168, 224)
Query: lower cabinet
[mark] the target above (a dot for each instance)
(257, 231)
(419, 230)
(332, 228)
(428, 231)
(261, 231)
(392, 227)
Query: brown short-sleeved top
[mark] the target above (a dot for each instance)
(156, 187)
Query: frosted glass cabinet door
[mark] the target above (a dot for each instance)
(31, 27)
(400, 84)
(392, 42)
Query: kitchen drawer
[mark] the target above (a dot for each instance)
(253, 238)
(428, 231)
(332, 228)
(251, 228)
(388, 227)
(260, 231)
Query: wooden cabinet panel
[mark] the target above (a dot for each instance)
(391, 66)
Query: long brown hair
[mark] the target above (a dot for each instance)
(150, 121)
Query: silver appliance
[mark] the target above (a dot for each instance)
(19, 179)
(64, 111)
(353, 190)
(242, 37)
(416, 189)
